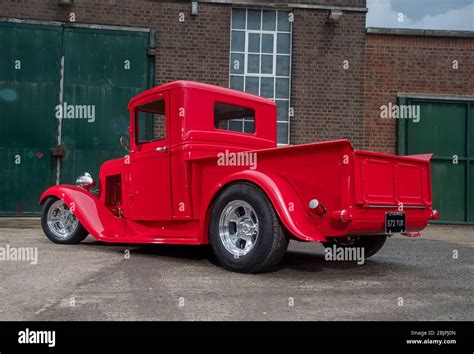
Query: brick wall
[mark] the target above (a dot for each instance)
(327, 100)
(415, 64)
(196, 49)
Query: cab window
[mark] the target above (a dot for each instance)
(151, 122)
(234, 118)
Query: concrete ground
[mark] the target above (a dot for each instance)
(409, 279)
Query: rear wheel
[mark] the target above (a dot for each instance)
(371, 243)
(245, 233)
(59, 223)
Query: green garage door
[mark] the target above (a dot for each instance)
(101, 70)
(29, 89)
(445, 128)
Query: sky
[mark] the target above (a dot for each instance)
(422, 14)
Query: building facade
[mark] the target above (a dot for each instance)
(430, 74)
(328, 74)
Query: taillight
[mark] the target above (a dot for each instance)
(341, 215)
(317, 207)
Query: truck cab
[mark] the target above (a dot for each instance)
(170, 125)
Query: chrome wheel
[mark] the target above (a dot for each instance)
(238, 227)
(60, 220)
(245, 232)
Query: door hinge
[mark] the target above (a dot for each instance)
(151, 51)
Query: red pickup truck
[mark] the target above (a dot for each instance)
(203, 167)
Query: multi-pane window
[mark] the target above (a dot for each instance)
(260, 59)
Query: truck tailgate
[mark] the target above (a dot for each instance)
(388, 180)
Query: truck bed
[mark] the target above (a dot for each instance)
(365, 184)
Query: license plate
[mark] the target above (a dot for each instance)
(394, 222)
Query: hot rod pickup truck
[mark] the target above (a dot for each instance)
(203, 167)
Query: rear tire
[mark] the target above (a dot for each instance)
(59, 223)
(371, 243)
(244, 230)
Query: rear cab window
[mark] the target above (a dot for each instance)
(234, 118)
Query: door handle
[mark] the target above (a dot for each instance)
(161, 148)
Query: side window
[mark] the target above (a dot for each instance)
(151, 122)
(234, 118)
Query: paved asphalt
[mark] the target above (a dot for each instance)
(409, 279)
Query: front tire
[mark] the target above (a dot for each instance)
(244, 230)
(59, 223)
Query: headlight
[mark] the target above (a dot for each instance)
(85, 181)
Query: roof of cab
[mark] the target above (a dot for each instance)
(199, 86)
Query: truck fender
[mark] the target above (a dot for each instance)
(288, 206)
(97, 219)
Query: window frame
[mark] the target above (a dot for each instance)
(274, 53)
(137, 127)
(150, 145)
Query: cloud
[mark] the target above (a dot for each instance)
(457, 19)
(381, 14)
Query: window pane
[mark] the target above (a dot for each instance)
(253, 19)
(282, 110)
(254, 63)
(283, 65)
(249, 127)
(144, 123)
(251, 85)
(254, 42)
(283, 43)
(269, 20)
(283, 21)
(282, 88)
(238, 18)
(237, 82)
(227, 115)
(236, 125)
(267, 64)
(238, 41)
(151, 122)
(237, 63)
(282, 133)
(267, 43)
(267, 86)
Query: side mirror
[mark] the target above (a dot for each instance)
(125, 143)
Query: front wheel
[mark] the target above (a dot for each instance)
(245, 232)
(371, 243)
(59, 223)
